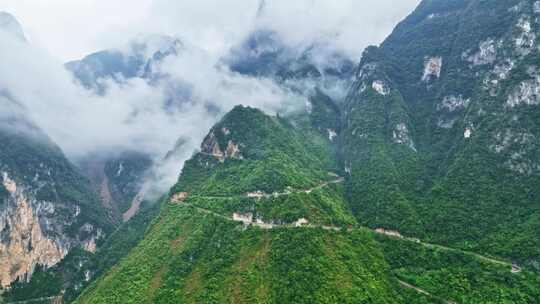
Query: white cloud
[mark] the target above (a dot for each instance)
(70, 29)
(132, 115)
(135, 115)
(349, 25)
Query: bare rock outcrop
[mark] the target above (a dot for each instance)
(30, 234)
(210, 146)
(432, 68)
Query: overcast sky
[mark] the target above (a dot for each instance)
(69, 29)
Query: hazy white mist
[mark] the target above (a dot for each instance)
(133, 114)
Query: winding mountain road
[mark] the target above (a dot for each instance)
(514, 268)
(272, 195)
(331, 228)
(263, 225)
(248, 221)
(420, 290)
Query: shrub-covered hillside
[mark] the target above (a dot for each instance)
(195, 253)
(441, 127)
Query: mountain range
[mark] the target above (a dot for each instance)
(412, 176)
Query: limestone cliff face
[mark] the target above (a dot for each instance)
(47, 207)
(31, 233)
(24, 244)
(211, 146)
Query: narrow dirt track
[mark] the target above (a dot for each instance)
(53, 299)
(276, 194)
(420, 290)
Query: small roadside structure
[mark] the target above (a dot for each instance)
(246, 218)
(392, 233)
(301, 222)
(262, 224)
(416, 240)
(255, 194)
(179, 197)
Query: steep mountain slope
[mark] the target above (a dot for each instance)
(67, 279)
(315, 71)
(212, 241)
(126, 176)
(49, 213)
(264, 54)
(56, 234)
(47, 208)
(119, 179)
(456, 276)
(259, 216)
(441, 122)
(436, 141)
(137, 59)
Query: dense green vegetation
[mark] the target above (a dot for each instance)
(277, 157)
(42, 284)
(455, 276)
(116, 247)
(321, 206)
(439, 157)
(325, 113)
(196, 257)
(193, 256)
(383, 174)
(480, 192)
(274, 157)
